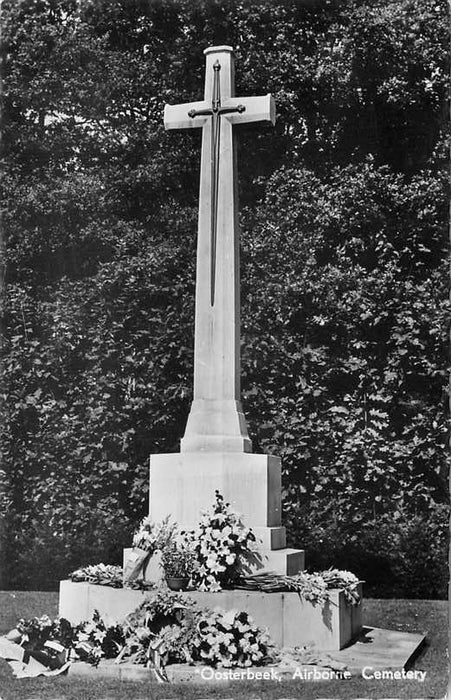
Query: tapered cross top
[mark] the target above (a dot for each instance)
(220, 95)
(216, 420)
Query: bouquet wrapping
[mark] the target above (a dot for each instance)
(136, 562)
(149, 538)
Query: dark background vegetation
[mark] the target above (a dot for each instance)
(344, 279)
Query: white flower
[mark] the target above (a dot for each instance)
(229, 617)
(214, 587)
(244, 644)
(215, 567)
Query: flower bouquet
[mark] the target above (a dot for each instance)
(313, 587)
(94, 640)
(345, 581)
(160, 631)
(220, 543)
(38, 646)
(230, 639)
(147, 540)
(99, 574)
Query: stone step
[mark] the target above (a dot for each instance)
(271, 537)
(286, 561)
(375, 655)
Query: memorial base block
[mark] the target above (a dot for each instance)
(182, 485)
(289, 620)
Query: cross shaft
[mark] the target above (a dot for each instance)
(216, 421)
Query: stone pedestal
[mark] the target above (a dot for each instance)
(289, 620)
(184, 484)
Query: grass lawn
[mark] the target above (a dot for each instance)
(429, 617)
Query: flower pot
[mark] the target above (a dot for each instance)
(176, 583)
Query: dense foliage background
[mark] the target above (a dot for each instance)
(344, 282)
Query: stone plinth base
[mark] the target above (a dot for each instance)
(184, 484)
(289, 620)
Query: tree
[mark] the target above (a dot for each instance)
(344, 209)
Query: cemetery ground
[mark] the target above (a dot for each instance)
(427, 616)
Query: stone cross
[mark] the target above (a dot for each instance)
(216, 421)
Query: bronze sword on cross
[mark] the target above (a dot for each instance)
(215, 111)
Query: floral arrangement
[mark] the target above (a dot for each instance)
(311, 587)
(170, 622)
(99, 574)
(230, 639)
(219, 542)
(45, 640)
(163, 608)
(94, 640)
(137, 638)
(211, 557)
(177, 639)
(90, 640)
(159, 632)
(344, 581)
(178, 558)
(171, 628)
(38, 630)
(107, 575)
(167, 628)
(148, 538)
(151, 536)
(42, 640)
(314, 587)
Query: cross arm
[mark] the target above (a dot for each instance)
(176, 116)
(257, 109)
